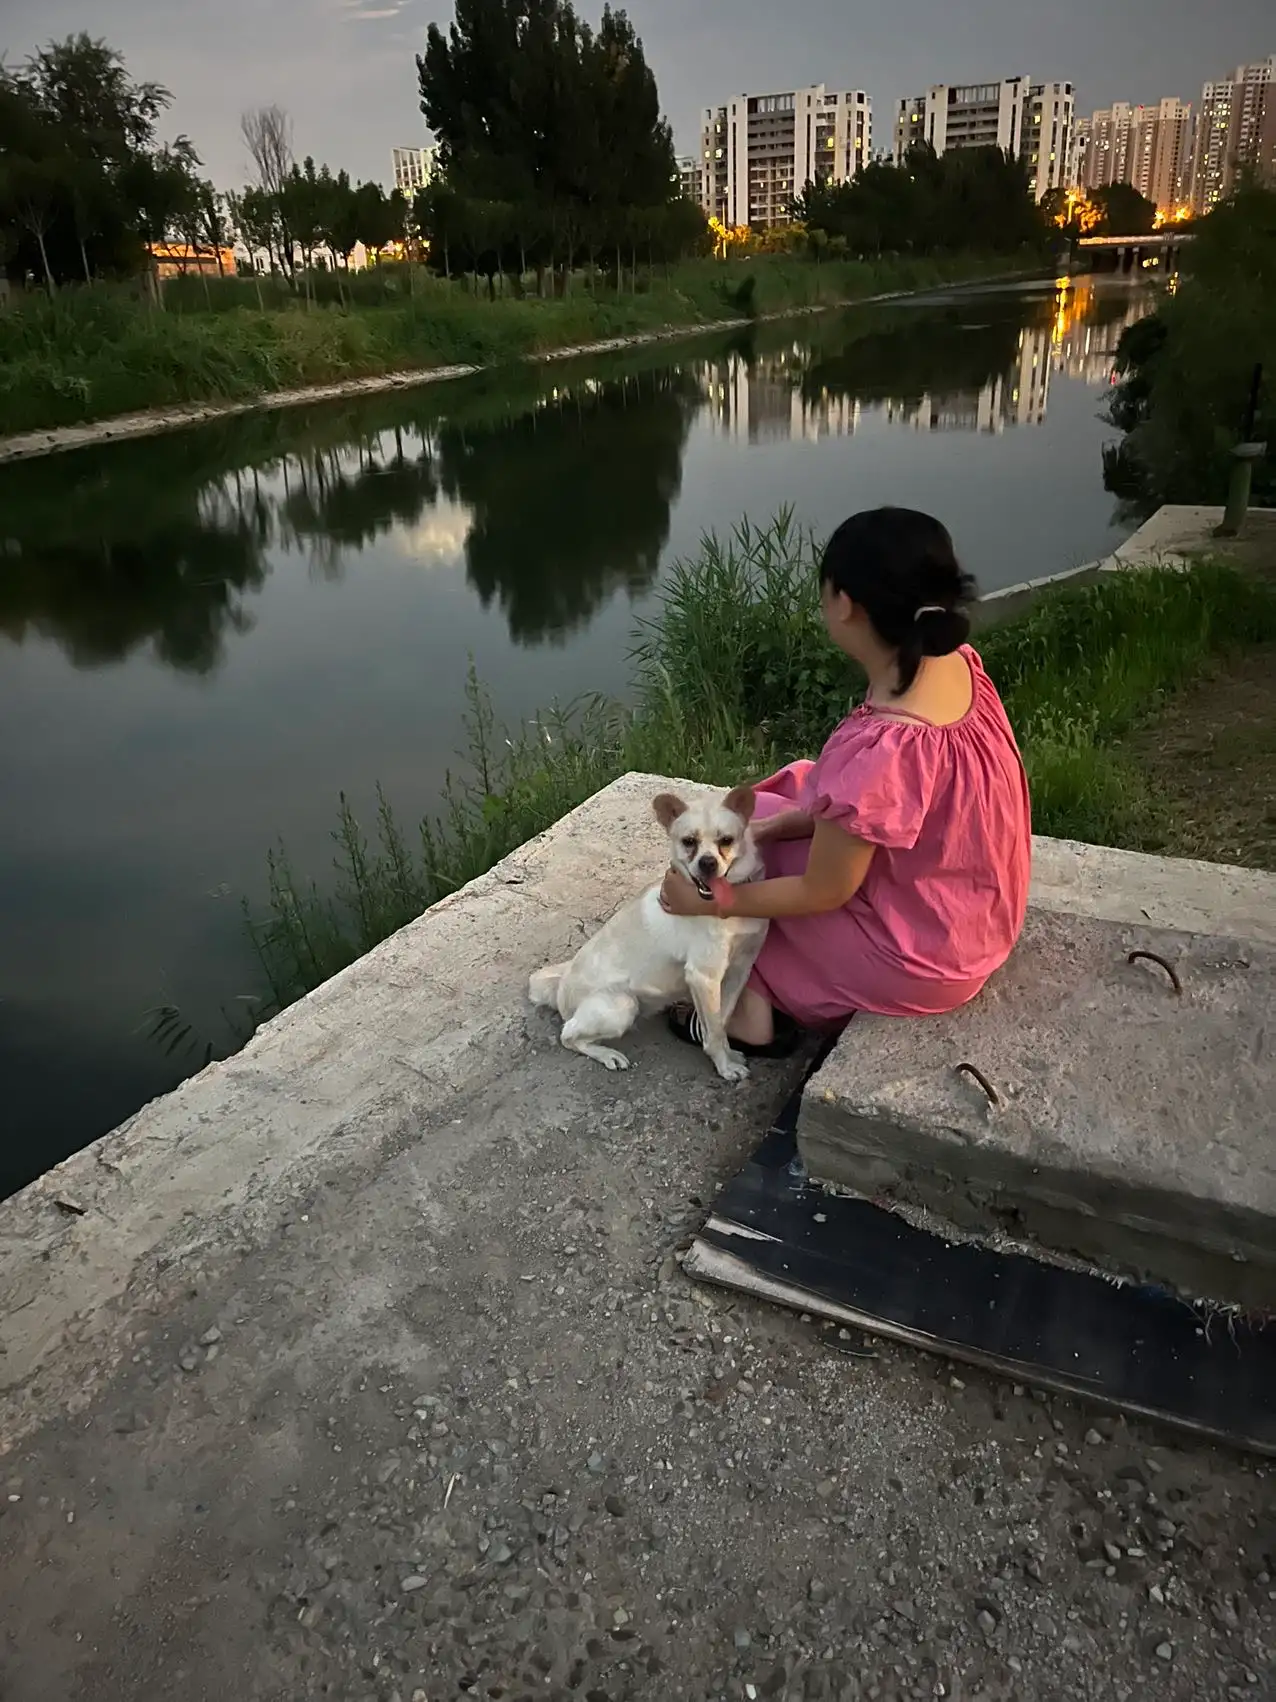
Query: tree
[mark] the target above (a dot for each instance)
(267, 135)
(303, 203)
(379, 218)
(212, 220)
(968, 198)
(77, 146)
(1123, 211)
(163, 187)
(556, 124)
(340, 217)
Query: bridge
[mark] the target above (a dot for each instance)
(1131, 252)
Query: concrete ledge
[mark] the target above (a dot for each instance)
(414, 1037)
(432, 1016)
(1135, 1128)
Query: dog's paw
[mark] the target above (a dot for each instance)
(732, 1067)
(610, 1059)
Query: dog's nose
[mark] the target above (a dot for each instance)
(708, 864)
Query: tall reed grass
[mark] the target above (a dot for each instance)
(735, 675)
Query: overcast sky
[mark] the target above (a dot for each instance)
(343, 69)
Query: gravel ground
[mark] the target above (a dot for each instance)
(463, 1428)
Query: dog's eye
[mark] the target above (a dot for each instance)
(689, 844)
(725, 844)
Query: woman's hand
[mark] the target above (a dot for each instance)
(679, 897)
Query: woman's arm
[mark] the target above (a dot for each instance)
(788, 824)
(835, 871)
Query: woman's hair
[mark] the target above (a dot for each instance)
(899, 566)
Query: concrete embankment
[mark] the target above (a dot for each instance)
(362, 1366)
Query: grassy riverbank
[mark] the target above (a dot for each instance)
(734, 676)
(95, 353)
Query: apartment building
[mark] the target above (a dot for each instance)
(1149, 147)
(413, 169)
(1032, 120)
(1161, 154)
(1236, 131)
(1105, 157)
(759, 151)
(691, 178)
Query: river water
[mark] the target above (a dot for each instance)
(205, 636)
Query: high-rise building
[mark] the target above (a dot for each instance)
(1161, 157)
(1031, 120)
(1149, 147)
(1107, 153)
(413, 169)
(1235, 127)
(759, 151)
(691, 178)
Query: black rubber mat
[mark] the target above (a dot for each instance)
(777, 1234)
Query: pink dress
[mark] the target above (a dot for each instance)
(944, 898)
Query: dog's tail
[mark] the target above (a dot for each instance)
(542, 989)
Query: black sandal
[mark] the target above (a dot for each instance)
(684, 1025)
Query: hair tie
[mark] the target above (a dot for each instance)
(930, 609)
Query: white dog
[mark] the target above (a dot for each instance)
(644, 959)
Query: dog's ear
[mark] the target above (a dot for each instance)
(668, 808)
(741, 800)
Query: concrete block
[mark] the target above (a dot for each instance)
(1136, 1128)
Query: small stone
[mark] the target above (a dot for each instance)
(419, 1696)
(985, 1621)
(1164, 1652)
(1015, 1664)
(1112, 1551)
(596, 1464)
(825, 1488)
(210, 1336)
(741, 1638)
(503, 1555)
(1093, 1439)
(956, 1383)
(615, 1505)
(189, 1362)
(413, 1582)
(817, 1592)
(1157, 1594)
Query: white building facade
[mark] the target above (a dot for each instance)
(759, 151)
(413, 169)
(1033, 121)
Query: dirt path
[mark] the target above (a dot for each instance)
(1211, 759)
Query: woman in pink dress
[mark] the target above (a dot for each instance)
(897, 863)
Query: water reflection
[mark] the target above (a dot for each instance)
(953, 372)
(554, 494)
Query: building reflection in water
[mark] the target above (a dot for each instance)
(767, 396)
(761, 398)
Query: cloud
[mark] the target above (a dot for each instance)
(377, 12)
